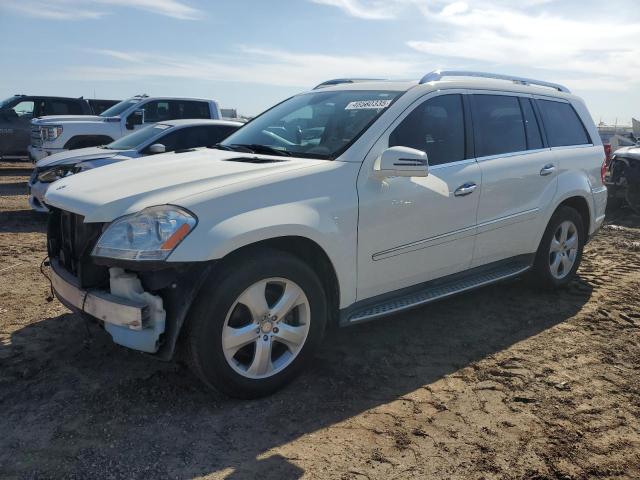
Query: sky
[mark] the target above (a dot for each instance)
(250, 54)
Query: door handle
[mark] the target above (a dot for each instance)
(465, 189)
(548, 169)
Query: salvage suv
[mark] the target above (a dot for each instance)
(336, 206)
(57, 133)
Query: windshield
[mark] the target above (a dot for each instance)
(118, 108)
(138, 139)
(8, 101)
(316, 125)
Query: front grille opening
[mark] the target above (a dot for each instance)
(70, 241)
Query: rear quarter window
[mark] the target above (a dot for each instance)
(562, 124)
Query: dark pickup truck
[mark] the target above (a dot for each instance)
(16, 113)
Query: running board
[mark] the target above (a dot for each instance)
(432, 291)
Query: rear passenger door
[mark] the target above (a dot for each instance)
(519, 175)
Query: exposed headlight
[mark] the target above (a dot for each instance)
(151, 234)
(56, 173)
(51, 132)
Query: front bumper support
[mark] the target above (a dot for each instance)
(102, 305)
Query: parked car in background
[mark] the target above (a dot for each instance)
(339, 205)
(16, 113)
(54, 134)
(170, 136)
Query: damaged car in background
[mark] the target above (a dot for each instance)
(623, 178)
(169, 136)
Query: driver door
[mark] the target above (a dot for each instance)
(412, 230)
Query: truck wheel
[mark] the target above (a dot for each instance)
(256, 324)
(560, 251)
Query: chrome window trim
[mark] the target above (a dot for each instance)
(512, 154)
(451, 164)
(568, 147)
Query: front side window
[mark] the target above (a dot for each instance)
(24, 109)
(317, 124)
(119, 108)
(498, 125)
(139, 138)
(562, 124)
(435, 127)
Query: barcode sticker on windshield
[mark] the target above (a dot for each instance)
(366, 104)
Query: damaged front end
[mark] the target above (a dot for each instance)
(623, 179)
(142, 305)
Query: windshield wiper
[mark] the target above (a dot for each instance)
(219, 146)
(257, 148)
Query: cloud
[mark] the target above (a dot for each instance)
(585, 52)
(94, 9)
(248, 64)
(367, 9)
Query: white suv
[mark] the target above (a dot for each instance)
(339, 205)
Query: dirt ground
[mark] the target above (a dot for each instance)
(502, 383)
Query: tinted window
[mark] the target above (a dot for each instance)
(62, 107)
(562, 124)
(498, 125)
(157, 111)
(189, 109)
(435, 127)
(138, 138)
(534, 139)
(171, 141)
(218, 133)
(119, 108)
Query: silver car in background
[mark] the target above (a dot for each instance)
(169, 136)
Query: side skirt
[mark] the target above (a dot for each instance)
(418, 295)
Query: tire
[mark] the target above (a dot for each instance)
(551, 269)
(221, 313)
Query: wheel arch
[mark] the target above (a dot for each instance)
(580, 204)
(307, 250)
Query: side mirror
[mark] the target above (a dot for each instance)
(157, 148)
(135, 118)
(402, 162)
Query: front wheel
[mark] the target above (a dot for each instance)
(560, 250)
(256, 324)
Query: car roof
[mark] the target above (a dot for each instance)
(200, 121)
(454, 79)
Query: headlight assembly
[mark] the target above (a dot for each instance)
(51, 132)
(151, 234)
(56, 173)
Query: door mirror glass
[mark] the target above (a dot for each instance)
(135, 118)
(402, 162)
(157, 148)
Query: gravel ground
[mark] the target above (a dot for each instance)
(502, 383)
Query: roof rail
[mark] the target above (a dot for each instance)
(438, 74)
(338, 81)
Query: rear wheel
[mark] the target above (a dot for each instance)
(560, 250)
(256, 324)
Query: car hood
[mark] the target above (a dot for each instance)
(70, 157)
(54, 119)
(105, 193)
(633, 151)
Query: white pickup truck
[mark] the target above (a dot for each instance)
(56, 133)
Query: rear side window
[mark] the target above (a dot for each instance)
(562, 124)
(189, 109)
(531, 127)
(498, 125)
(437, 127)
(62, 107)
